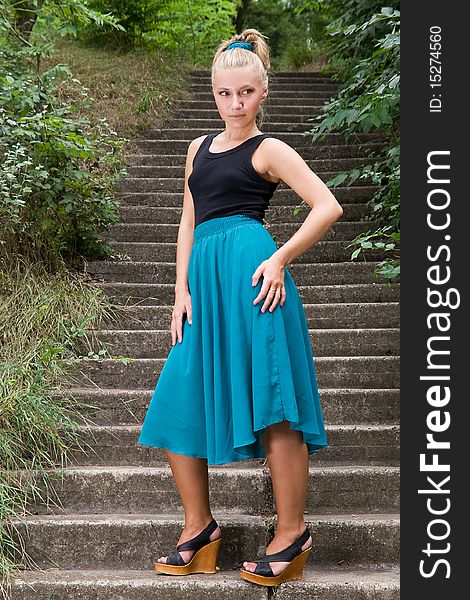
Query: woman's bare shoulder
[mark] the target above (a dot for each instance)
(196, 143)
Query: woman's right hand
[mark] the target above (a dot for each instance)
(181, 307)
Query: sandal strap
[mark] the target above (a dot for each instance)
(194, 543)
(175, 559)
(264, 569)
(288, 553)
(199, 540)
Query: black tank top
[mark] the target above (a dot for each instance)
(226, 183)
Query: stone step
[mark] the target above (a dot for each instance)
(166, 184)
(273, 105)
(328, 147)
(322, 582)
(152, 343)
(366, 315)
(280, 213)
(317, 75)
(313, 158)
(164, 272)
(331, 490)
(321, 252)
(301, 139)
(165, 215)
(340, 406)
(204, 92)
(276, 86)
(282, 197)
(177, 170)
(275, 124)
(275, 115)
(348, 445)
(156, 294)
(131, 541)
(351, 372)
(287, 76)
(155, 232)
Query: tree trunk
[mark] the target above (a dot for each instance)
(241, 16)
(26, 14)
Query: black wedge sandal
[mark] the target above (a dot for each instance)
(263, 574)
(202, 561)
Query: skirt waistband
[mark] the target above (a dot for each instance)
(220, 224)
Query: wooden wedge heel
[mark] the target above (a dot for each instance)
(263, 574)
(204, 560)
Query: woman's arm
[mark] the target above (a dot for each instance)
(185, 241)
(283, 162)
(186, 227)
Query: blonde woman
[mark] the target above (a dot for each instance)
(239, 381)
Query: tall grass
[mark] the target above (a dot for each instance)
(44, 320)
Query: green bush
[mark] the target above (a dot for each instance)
(58, 172)
(365, 54)
(292, 37)
(190, 30)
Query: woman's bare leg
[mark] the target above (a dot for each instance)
(192, 481)
(288, 463)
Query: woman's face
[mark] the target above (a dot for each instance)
(238, 93)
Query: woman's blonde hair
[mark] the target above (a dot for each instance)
(258, 59)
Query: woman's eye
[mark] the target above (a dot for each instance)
(249, 90)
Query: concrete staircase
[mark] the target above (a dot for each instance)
(121, 509)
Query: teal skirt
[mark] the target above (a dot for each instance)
(237, 370)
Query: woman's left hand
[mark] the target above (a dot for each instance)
(273, 283)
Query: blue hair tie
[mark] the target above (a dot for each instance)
(239, 44)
